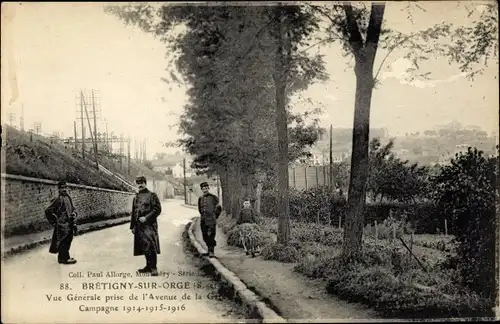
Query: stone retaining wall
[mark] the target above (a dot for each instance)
(24, 200)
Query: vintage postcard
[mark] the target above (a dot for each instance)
(221, 162)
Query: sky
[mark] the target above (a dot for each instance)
(50, 51)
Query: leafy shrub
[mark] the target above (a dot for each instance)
(270, 224)
(385, 230)
(311, 232)
(226, 222)
(318, 267)
(378, 287)
(444, 280)
(393, 178)
(332, 236)
(298, 245)
(280, 252)
(427, 217)
(465, 191)
(437, 242)
(254, 231)
(314, 250)
(322, 206)
(316, 204)
(391, 257)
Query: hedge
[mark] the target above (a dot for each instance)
(323, 206)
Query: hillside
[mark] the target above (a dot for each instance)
(39, 157)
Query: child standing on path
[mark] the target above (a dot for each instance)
(247, 216)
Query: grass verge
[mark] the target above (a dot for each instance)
(386, 278)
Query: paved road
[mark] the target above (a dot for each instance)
(33, 282)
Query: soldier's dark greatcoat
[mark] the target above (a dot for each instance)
(146, 204)
(59, 214)
(209, 212)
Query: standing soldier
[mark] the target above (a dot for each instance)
(61, 214)
(145, 209)
(208, 206)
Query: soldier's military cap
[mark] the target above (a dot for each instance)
(140, 179)
(204, 184)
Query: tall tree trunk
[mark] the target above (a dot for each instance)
(249, 178)
(248, 184)
(258, 198)
(235, 190)
(353, 230)
(364, 54)
(282, 128)
(224, 182)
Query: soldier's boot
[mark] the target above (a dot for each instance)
(146, 269)
(211, 252)
(152, 266)
(64, 258)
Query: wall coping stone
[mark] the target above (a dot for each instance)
(53, 182)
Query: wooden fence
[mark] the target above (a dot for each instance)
(301, 177)
(304, 177)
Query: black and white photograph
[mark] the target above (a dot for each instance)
(249, 162)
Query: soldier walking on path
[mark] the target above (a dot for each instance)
(61, 214)
(208, 206)
(146, 208)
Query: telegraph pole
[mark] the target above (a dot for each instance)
(90, 128)
(185, 184)
(331, 156)
(83, 126)
(95, 121)
(108, 148)
(74, 128)
(21, 122)
(128, 168)
(122, 151)
(135, 149)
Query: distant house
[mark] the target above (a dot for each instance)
(164, 188)
(178, 170)
(163, 168)
(166, 163)
(403, 152)
(341, 145)
(323, 157)
(430, 133)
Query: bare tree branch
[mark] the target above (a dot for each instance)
(389, 53)
(325, 14)
(374, 27)
(355, 38)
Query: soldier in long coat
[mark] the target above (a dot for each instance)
(61, 214)
(208, 206)
(146, 208)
